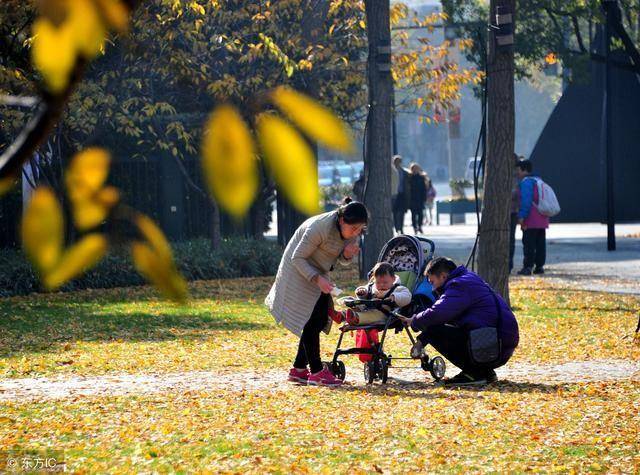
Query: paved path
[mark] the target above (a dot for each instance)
(408, 379)
(576, 254)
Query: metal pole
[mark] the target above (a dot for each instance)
(394, 129)
(611, 222)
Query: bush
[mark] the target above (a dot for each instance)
(195, 259)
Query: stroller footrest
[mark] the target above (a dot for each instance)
(357, 351)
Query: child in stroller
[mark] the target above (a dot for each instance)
(383, 285)
(402, 260)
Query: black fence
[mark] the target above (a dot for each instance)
(156, 187)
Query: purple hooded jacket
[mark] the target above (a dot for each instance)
(466, 301)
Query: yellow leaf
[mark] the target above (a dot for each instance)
(108, 196)
(87, 172)
(6, 184)
(85, 254)
(88, 214)
(115, 13)
(160, 273)
(315, 120)
(291, 161)
(155, 237)
(42, 230)
(229, 161)
(88, 29)
(53, 52)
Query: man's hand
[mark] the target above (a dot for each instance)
(406, 320)
(324, 284)
(351, 250)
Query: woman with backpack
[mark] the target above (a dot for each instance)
(533, 223)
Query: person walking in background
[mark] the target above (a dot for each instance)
(418, 196)
(515, 207)
(400, 192)
(431, 198)
(533, 224)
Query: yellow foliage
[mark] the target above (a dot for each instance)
(53, 53)
(71, 28)
(315, 120)
(88, 29)
(115, 13)
(229, 160)
(84, 180)
(85, 254)
(291, 161)
(154, 260)
(43, 230)
(155, 237)
(87, 172)
(156, 270)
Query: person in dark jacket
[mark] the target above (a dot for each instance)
(465, 302)
(418, 196)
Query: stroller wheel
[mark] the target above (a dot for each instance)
(338, 370)
(425, 363)
(438, 368)
(384, 369)
(369, 372)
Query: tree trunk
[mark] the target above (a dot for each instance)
(215, 234)
(493, 259)
(313, 15)
(377, 164)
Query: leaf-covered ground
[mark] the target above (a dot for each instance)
(511, 426)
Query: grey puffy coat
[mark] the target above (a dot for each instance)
(313, 250)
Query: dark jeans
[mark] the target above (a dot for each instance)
(512, 239)
(534, 244)
(452, 343)
(417, 216)
(398, 208)
(309, 346)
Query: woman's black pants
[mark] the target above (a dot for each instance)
(309, 347)
(453, 343)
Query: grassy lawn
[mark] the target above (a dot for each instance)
(511, 427)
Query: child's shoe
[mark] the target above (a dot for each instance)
(323, 378)
(336, 315)
(298, 375)
(351, 317)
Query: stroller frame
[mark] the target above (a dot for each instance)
(378, 367)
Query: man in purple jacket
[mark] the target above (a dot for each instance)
(465, 302)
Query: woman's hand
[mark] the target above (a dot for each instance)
(324, 284)
(351, 250)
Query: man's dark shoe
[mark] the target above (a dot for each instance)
(538, 270)
(525, 271)
(492, 377)
(465, 379)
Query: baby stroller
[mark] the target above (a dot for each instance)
(409, 256)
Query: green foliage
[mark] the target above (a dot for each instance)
(195, 259)
(564, 28)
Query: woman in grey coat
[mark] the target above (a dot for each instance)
(301, 294)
